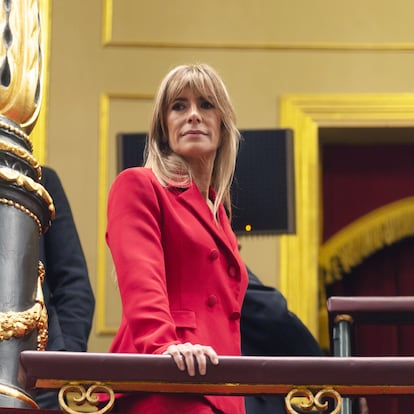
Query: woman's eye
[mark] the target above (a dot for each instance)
(177, 106)
(207, 105)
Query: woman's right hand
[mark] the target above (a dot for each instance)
(190, 356)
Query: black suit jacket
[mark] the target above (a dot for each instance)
(268, 328)
(67, 290)
(68, 293)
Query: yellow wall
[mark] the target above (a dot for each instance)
(107, 58)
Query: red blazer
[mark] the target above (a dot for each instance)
(180, 274)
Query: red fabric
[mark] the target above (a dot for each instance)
(164, 404)
(360, 178)
(388, 272)
(171, 257)
(356, 180)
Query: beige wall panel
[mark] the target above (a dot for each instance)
(261, 254)
(260, 22)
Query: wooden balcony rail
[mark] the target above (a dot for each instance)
(315, 378)
(373, 309)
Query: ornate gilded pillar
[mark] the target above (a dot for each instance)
(26, 209)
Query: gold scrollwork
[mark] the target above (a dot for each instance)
(19, 324)
(7, 174)
(319, 401)
(75, 399)
(23, 154)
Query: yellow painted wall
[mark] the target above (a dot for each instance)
(107, 58)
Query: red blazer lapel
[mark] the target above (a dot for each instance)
(221, 230)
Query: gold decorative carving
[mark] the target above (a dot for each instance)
(42, 326)
(19, 324)
(23, 154)
(319, 401)
(20, 62)
(6, 126)
(8, 174)
(75, 399)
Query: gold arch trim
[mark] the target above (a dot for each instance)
(363, 237)
(299, 253)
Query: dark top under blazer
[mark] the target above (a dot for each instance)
(269, 328)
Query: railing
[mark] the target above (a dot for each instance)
(318, 379)
(347, 311)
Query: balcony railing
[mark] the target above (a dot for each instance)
(316, 380)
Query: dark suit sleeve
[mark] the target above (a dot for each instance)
(68, 293)
(268, 328)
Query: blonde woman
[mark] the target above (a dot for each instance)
(181, 278)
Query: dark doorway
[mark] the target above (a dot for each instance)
(363, 169)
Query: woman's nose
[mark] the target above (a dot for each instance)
(194, 115)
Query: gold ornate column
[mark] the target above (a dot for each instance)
(26, 209)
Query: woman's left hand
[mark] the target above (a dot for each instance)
(185, 355)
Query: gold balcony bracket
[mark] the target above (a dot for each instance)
(318, 402)
(74, 398)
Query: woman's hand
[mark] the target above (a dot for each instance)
(185, 355)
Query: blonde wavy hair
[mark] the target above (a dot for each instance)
(170, 168)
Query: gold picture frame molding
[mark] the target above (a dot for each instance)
(102, 327)
(109, 41)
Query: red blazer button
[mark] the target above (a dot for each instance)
(234, 316)
(213, 255)
(212, 300)
(232, 271)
